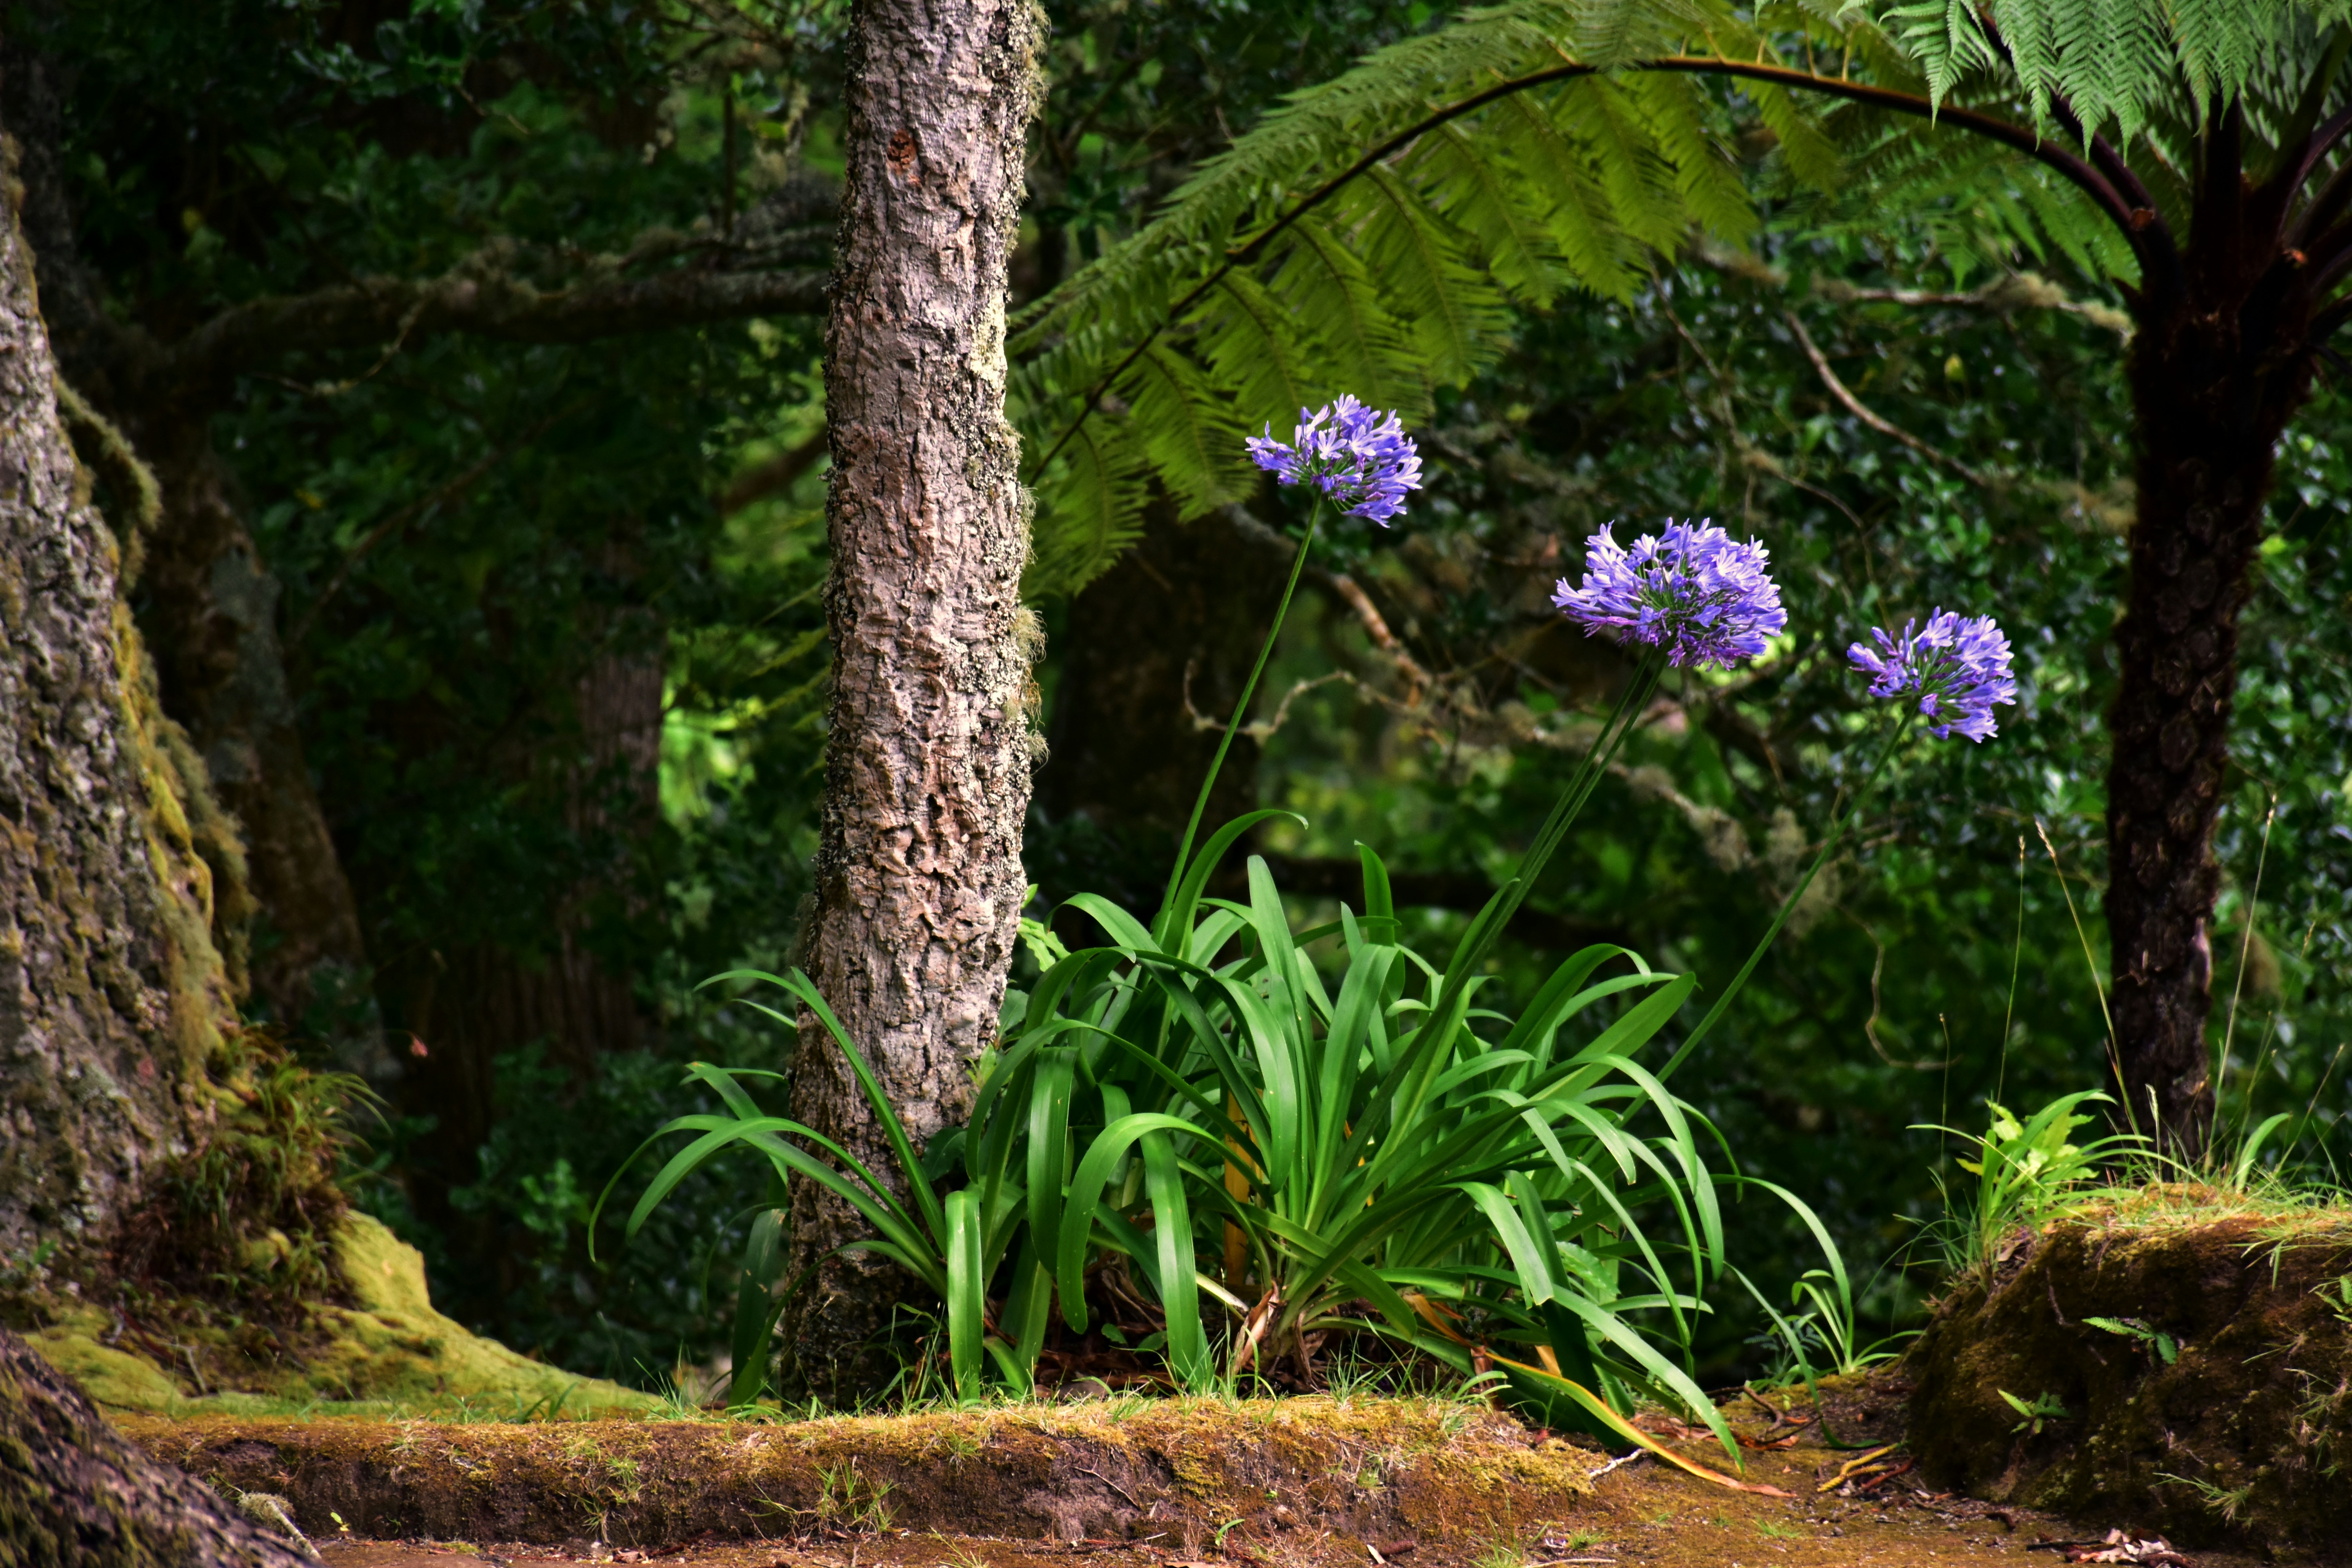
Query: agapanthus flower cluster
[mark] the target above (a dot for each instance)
(1960, 668)
(1692, 591)
(1358, 457)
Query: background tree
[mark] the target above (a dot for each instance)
(118, 1002)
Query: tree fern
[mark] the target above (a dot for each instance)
(1377, 231)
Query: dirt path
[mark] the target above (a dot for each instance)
(1639, 1516)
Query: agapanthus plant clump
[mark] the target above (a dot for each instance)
(1958, 665)
(1358, 459)
(1691, 592)
(1219, 1112)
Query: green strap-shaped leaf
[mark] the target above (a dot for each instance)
(967, 1283)
(1085, 1207)
(1048, 1150)
(1175, 1271)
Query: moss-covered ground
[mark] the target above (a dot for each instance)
(2208, 1402)
(1120, 1484)
(2188, 1357)
(381, 1350)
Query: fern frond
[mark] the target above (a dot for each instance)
(1325, 282)
(1098, 513)
(1583, 232)
(1501, 210)
(1189, 429)
(1376, 232)
(1257, 346)
(1453, 314)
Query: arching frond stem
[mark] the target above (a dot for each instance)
(1248, 253)
(2296, 165)
(2135, 215)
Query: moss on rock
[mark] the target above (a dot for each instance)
(2239, 1432)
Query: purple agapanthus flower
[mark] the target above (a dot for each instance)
(1692, 591)
(1958, 666)
(1359, 458)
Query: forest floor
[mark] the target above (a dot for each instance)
(1418, 1484)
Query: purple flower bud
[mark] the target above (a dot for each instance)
(1360, 458)
(1958, 666)
(1692, 591)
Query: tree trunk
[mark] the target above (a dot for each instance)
(919, 881)
(212, 602)
(112, 995)
(212, 616)
(74, 1494)
(2219, 366)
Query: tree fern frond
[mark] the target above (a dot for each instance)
(1812, 157)
(1583, 234)
(1098, 514)
(1451, 313)
(1326, 283)
(1257, 345)
(1496, 206)
(1616, 142)
(1188, 428)
(1705, 175)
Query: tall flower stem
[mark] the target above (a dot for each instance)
(1487, 928)
(1829, 847)
(1241, 709)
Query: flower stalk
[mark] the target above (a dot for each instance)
(1241, 709)
(1361, 461)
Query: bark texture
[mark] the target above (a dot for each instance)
(112, 996)
(2222, 360)
(74, 1494)
(919, 879)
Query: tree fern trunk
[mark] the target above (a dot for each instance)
(919, 879)
(2218, 368)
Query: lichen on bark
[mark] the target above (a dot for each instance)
(919, 881)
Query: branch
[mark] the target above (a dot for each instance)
(1855, 406)
(488, 303)
(774, 476)
(1376, 626)
(2016, 291)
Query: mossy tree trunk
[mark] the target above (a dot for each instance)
(74, 1494)
(113, 995)
(919, 881)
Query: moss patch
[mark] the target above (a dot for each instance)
(2241, 1433)
(1179, 1471)
(388, 1347)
